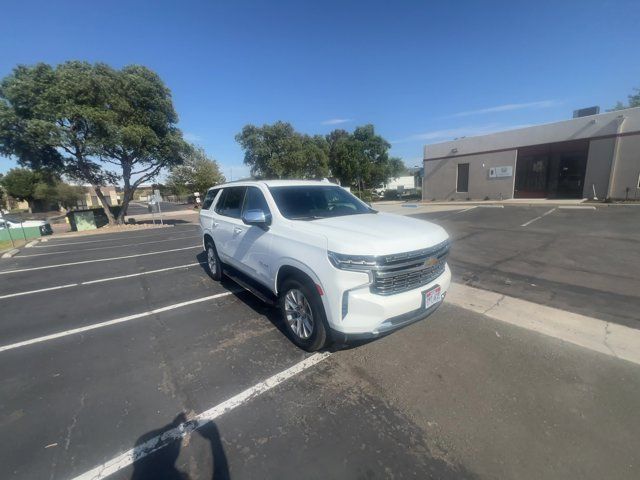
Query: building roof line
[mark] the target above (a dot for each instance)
(516, 147)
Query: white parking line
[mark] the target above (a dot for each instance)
(100, 280)
(577, 207)
(6, 272)
(466, 210)
(108, 323)
(110, 246)
(156, 443)
(538, 218)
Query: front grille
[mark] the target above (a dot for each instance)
(405, 271)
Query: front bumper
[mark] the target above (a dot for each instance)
(364, 314)
(389, 326)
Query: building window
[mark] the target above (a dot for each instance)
(462, 184)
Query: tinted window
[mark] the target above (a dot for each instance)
(230, 203)
(254, 200)
(312, 202)
(209, 197)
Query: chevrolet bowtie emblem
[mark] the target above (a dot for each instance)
(430, 262)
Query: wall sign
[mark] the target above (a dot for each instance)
(500, 172)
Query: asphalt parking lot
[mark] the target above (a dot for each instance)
(111, 342)
(585, 260)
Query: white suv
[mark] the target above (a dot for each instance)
(338, 269)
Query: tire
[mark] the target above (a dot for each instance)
(213, 262)
(303, 314)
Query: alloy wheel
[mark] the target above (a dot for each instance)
(298, 313)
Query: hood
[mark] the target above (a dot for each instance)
(376, 234)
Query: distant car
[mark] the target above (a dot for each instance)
(12, 222)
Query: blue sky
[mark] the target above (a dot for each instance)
(421, 72)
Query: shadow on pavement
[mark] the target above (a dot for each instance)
(272, 313)
(160, 465)
(170, 221)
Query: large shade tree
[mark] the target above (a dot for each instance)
(362, 158)
(278, 151)
(91, 122)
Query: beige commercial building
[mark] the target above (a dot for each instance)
(596, 155)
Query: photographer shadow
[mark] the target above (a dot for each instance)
(160, 464)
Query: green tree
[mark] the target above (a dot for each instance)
(21, 184)
(27, 185)
(278, 151)
(634, 101)
(3, 195)
(82, 120)
(68, 195)
(198, 173)
(362, 158)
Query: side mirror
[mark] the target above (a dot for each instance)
(257, 218)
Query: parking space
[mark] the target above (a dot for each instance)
(582, 260)
(118, 343)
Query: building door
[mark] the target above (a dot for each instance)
(551, 170)
(462, 184)
(571, 176)
(531, 176)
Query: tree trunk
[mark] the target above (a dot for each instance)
(127, 196)
(105, 205)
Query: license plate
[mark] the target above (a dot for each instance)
(432, 296)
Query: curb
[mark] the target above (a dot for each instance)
(10, 253)
(32, 243)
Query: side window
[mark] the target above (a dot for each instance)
(208, 198)
(230, 203)
(254, 200)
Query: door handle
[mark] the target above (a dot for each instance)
(215, 224)
(237, 230)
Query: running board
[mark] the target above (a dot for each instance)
(269, 300)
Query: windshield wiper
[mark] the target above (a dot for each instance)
(306, 217)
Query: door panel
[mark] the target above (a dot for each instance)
(227, 214)
(250, 246)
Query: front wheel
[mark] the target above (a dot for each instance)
(213, 262)
(303, 315)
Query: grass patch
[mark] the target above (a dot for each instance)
(6, 244)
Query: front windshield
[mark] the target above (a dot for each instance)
(310, 202)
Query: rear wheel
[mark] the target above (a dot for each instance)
(303, 314)
(213, 262)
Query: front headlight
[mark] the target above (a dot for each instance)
(357, 263)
